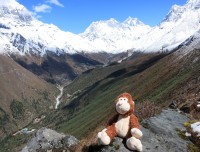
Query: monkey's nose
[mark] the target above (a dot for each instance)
(119, 104)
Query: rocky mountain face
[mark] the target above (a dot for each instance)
(57, 69)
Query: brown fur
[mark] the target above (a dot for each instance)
(113, 119)
(111, 131)
(134, 122)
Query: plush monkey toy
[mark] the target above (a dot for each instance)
(126, 125)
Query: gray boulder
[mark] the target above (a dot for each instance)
(160, 134)
(49, 140)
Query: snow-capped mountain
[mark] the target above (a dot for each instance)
(180, 23)
(21, 32)
(113, 36)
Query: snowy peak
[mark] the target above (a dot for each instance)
(112, 26)
(193, 4)
(112, 36)
(133, 21)
(11, 9)
(21, 32)
(130, 21)
(111, 22)
(180, 23)
(175, 14)
(177, 11)
(99, 25)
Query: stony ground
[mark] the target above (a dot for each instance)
(160, 133)
(50, 140)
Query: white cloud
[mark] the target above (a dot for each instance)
(45, 8)
(42, 8)
(55, 2)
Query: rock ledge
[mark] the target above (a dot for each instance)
(50, 140)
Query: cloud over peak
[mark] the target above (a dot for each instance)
(55, 2)
(46, 7)
(42, 8)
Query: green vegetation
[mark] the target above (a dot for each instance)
(17, 109)
(154, 83)
(193, 148)
(187, 124)
(88, 118)
(117, 146)
(10, 142)
(150, 77)
(145, 125)
(4, 118)
(181, 134)
(194, 138)
(35, 105)
(166, 86)
(98, 104)
(45, 95)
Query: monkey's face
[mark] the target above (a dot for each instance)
(122, 105)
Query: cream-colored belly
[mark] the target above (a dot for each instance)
(122, 126)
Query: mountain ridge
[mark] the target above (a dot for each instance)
(34, 37)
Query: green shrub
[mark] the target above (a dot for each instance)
(181, 134)
(4, 117)
(193, 148)
(17, 109)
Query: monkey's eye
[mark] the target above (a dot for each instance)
(123, 99)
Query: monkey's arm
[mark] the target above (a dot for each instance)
(134, 122)
(135, 127)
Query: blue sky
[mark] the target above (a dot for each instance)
(76, 15)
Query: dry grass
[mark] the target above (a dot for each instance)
(85, 143)
(34, 95)
(147, 109)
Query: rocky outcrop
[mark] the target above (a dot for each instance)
(50, 140)
(160, 133)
